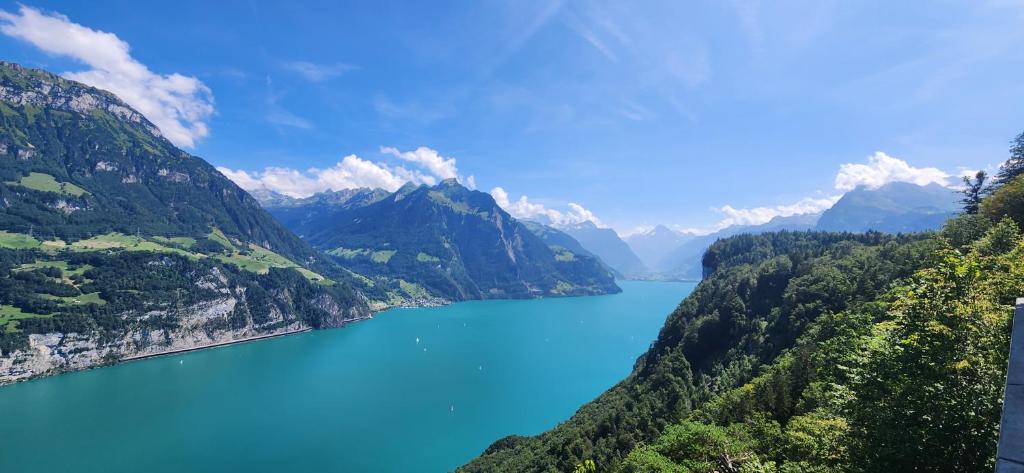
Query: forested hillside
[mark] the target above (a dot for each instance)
(114, 243)
(445, 241)
(816, 352)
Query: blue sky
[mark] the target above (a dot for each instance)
(693, 114)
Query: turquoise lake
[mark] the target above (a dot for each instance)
(413, 390)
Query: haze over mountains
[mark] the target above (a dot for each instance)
(606, 244)
(896, 207)
(651, 246)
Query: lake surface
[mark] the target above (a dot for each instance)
(413, 390)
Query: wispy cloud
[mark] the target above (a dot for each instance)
(413, 111)
(634, 111)
(283, 117)
(591, 37)
(314, 72)
(179, 105)
(277, 114)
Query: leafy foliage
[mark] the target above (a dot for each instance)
(974, 191)
(816, 353)
(1014, 166)
(1007, 200)
(761, 293)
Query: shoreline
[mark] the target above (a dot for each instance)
(236, 342)
(213, 345)
(128, 359)
(421, 303)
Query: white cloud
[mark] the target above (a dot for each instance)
(500, 197)
(351, 172)
(438, 165)
(882, 169)
(317, 72)
(578, 214)
(759, 215)
(526, 210)
(177, 104)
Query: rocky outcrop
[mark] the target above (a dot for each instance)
(218, 321)
(53, 353)
(49, 91)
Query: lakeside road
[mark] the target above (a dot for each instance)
(231, 342)
(215, 345)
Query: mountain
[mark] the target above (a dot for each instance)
(558, 240)
(311, 212)
(684, 262)
(115, 244)
(897, 207)
(345, 198)
(554, 237)
(267, 197)
(607, 245)
(448, 240)
(651, 246)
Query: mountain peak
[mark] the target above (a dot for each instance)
(20, 85)
(660, 230)
(451, 241)
(895, 207)
(584, 225)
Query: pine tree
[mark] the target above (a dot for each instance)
(1014, 166)
(974, 191)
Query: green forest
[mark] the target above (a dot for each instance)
(818, 352)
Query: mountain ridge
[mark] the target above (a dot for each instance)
(607, 245)
(454, 242)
